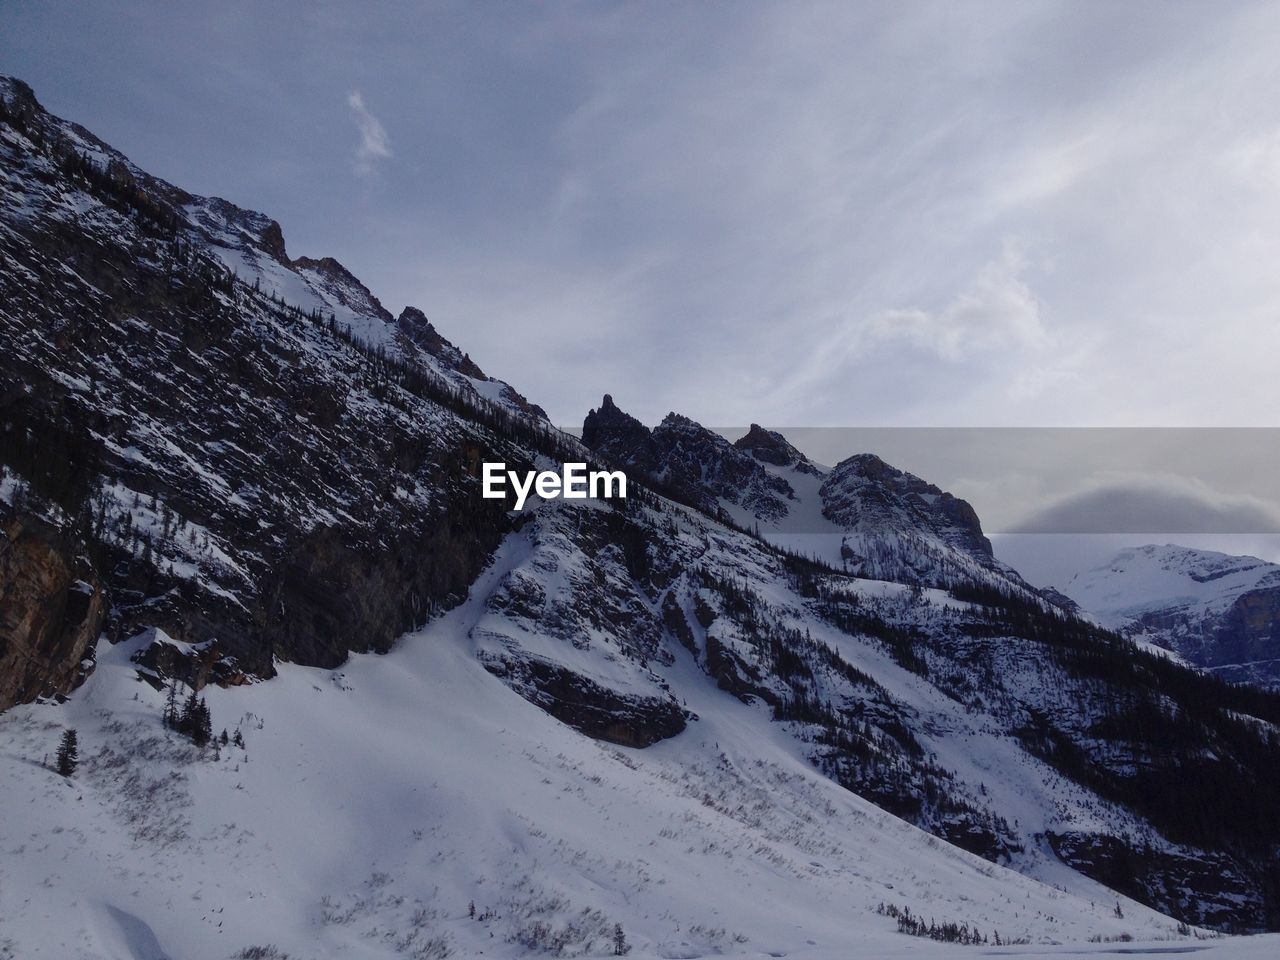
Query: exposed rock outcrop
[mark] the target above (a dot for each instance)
(686, 461)
(590, 707)
(52, 609)
(415, 325)
(1224, 897)
(769, 446)
(252, 458)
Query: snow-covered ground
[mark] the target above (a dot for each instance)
(373, 805)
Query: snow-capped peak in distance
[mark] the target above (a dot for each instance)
(1213, 609)
(1156, 575)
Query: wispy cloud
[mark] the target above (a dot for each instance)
(374, 145)
(997, 310)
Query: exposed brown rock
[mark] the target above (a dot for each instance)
(273, 242)
(51, 611)
(597, 711)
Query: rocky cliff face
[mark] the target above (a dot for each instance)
(769, 446)
(1245, 643)
(865, 494)
(900, 527)
(52, 608)
(241, 465)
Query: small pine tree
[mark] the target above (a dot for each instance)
(238, 740)
(620, 946)
(171, 706)
(204, 725)
(1119, 912)
(195, 720)
(190, 710)
(68, 753)
(223, 738)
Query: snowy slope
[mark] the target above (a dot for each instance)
(373, 804)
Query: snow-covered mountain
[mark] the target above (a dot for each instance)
(863, 516)
(250, 426)
(1214, 610)
(588, 720)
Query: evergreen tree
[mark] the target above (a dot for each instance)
(620, 946)
(196, 721)
(202, 732)
(188, 717)
(171, 706)
(68, 753)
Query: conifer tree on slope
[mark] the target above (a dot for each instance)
(68, 753)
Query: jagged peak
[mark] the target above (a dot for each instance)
(678, 421)
(873, 468)
(327, 266)
(608, 423)
(412, 314)
(420, 331)
(769, 446)
(609, 410)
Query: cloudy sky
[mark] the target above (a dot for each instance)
(819, 214)
(926, 214)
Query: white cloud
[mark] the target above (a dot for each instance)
(374, 144)
(996, 311)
